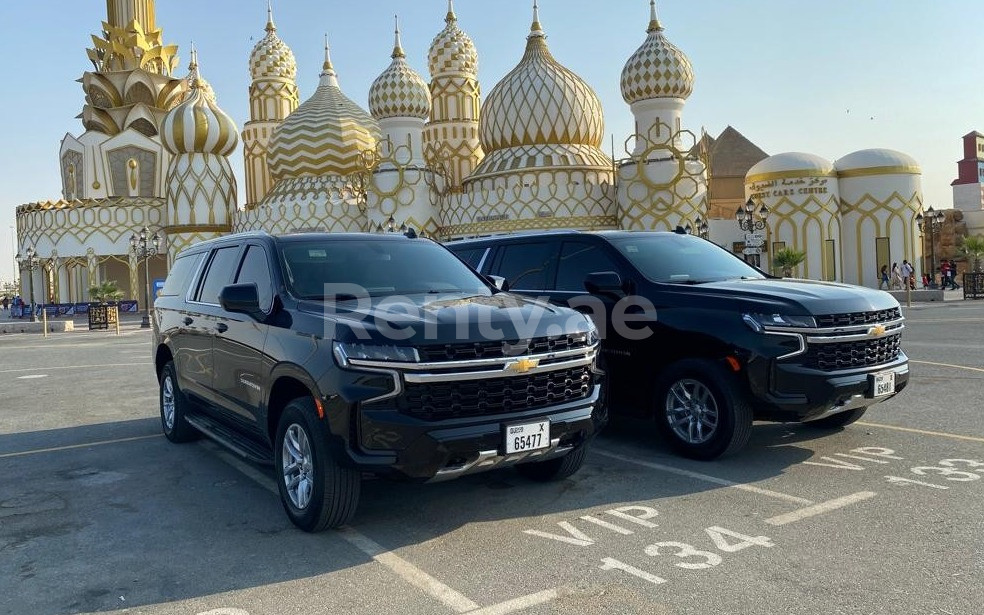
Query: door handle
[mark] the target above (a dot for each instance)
(221, 327)
(188, 320)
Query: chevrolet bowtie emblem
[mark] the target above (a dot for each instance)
(876, 331)
(522, 365)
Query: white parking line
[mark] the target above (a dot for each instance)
(32, 376)
(451, 598)
(924, 432)
(80, 367)
(704, 477)
(821, 508)
(71, 446)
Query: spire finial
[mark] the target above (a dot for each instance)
(193, 64)
(194, 76)
(270, 27)
(536, 29)
(397, 45)
(654, 24)
(450, 17)
(326, 67)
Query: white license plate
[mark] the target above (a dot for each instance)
(527, 437)
(884, 384)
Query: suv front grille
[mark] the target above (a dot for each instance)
(847, 355)
(444, 400)
(496, 350)
(858, 318)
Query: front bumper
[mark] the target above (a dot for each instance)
(402, 446)
(791, 392)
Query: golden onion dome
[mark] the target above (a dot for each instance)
(540, 102)
(326, 135)
(194, 74)
(198, 126)
(271, 58)
(658, 69)
(399, 91)
(452, 52)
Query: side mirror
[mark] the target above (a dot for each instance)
(498, 281)
(241, 299)
(604, 283)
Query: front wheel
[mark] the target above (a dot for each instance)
(841, 419)
(702, 410)
(555, 469)
(317, 492)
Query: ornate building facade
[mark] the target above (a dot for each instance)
(430, 155)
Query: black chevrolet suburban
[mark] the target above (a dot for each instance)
(331, 356)
(703, 343)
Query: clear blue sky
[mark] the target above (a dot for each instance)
(783, 72)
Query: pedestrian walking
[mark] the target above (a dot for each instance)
(6, 303)
(953, 275)
(896, 277)
(944, 274)
(883, 277)
(909, 274)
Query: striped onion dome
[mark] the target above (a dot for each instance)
(326, 135)
(198, 126)
(271, 58)
(452, 52)
(399, 91)
(194, 74)
(658, 69)
(541, 104)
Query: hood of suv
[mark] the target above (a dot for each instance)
(446, 318)
(801, 296)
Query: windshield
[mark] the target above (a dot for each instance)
(377, 267)
(682, 259)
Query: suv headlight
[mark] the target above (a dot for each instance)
(593, 336)
(758, 322)
(371, 352)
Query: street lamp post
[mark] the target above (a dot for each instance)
(699, 228)
(144, 247)
(931, 223)
(30, 263)
(749, 220)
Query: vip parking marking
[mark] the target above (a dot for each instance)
(952, 470)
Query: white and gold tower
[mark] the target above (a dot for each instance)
(201, 187)
(401, 192)
(319, 160)
(451, 142)
(541, 128)
(273, 96)
(662, 183)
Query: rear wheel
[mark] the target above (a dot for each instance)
(841, 419)
(555, 469)
(174, 407)
(702, 410)
(317, 493)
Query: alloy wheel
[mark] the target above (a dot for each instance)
(692, 411)
(297, 465)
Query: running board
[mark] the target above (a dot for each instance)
(231, 439)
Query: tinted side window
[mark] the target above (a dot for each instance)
(219, 274)
(528, 266)
(179, 277)
(472, 256)
(256, 270)
(579, 259)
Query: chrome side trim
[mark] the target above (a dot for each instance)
(499, 373)
(432, 365)
(834, 339)
(486, 460)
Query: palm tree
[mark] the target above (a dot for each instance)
(973, 247)
(786, 259)
(106, 291)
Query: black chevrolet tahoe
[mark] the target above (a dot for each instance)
(331, 356)
(703, 343)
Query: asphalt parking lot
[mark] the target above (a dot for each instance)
(99, 513)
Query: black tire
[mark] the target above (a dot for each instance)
(333, 490)
(555, 469)
(723, 389)
(176, 429)
(841, 419)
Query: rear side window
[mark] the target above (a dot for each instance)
(179, 277)
(528, 266)
(256, 270)
(219, 274)
(577, 260)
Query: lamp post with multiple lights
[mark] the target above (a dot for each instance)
(931, 222)
(145, 246)
(699, 228)
(749, 220)
(30, 263)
